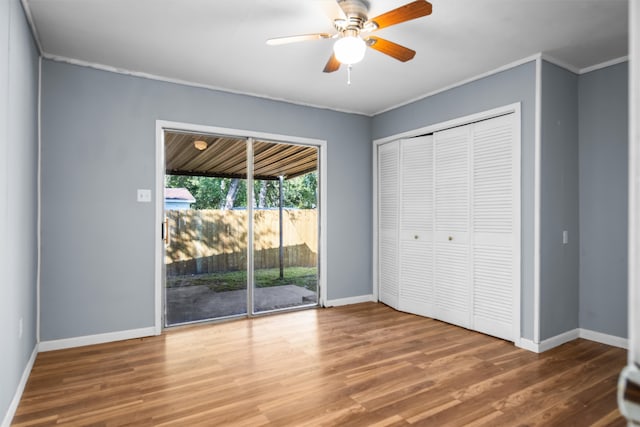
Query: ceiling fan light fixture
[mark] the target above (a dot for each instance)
(200, 145)
(349, 49)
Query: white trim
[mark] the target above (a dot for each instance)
(558, 340)
(517, 215)
(350, 300)
(156, 77)
(549, 343)
(603, 65)
(162, 125)
(536, 201)
(13, 406)
(34, 31)
(322, 260)
(607, 339)
(559, 63)
(374, 233)
(241, 133)
(149, 76)
(458, 121)
(575, 70)
(527, 344)
(158, 224)
(571, 335)
(505, 67)
(634, 185)
(39, 203)
(95, 339)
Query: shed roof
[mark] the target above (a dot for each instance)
(181, 194)
(226, 157)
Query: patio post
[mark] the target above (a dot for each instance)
(281, 193)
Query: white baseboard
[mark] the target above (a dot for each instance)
(351, 300)
(558, 340)
(96, 339)
(527, 345)
(549, 343)
(611, 340)
(6, 422)
(571, 335)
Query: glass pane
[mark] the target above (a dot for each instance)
(285, 252)
(206, 254)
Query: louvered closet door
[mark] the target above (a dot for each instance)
(452, 275)
(495, 272)
(416, 226)
(388, 187)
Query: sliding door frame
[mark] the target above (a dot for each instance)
(249, 136)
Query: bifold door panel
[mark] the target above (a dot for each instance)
(448, 226)
(416, 295)
(388, 180)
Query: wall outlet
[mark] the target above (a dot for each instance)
(565, 237)
(144, 195)
(20, 329)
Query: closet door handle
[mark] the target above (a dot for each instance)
(450, 238)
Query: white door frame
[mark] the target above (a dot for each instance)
(634, 184)
(631, 373)
(460, 121)
(161, 126)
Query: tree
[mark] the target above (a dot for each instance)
(262, 196)
(301, 192)
(231, 194)
(227, 193)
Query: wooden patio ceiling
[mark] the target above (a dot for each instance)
(225, 157)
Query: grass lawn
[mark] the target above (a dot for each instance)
(305, 277)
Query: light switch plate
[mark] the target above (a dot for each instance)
(144, 195)
(565, 237)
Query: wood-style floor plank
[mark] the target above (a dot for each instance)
(364, 364)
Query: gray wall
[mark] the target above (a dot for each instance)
(98, 147)
(514, 85)
(18, 196)
(559, 283)
(603, 130)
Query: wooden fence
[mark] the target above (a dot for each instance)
(208, 241)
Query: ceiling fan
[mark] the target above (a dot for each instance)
(354, 29)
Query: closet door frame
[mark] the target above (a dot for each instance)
(461, 121)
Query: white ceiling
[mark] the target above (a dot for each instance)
(221, 44)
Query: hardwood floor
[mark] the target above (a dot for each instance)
(364, 364)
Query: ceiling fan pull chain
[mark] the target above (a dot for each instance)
(349, 74)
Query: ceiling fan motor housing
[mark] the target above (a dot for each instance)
(356, 15)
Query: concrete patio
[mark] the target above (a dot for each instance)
(192, 303)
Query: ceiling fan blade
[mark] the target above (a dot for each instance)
(404, 13)
(392, 49)
(332, 64)
(301, 38)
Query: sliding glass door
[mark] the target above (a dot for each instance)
(240, 227)
(285, 226)
(205, 228)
